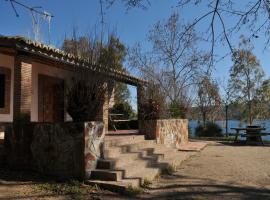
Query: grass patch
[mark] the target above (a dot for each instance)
(133, 191)
(169, 170)
(73, 187)
(224, 138)
(146, 183)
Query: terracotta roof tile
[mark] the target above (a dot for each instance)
(50, 52)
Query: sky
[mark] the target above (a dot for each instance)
(130, 25)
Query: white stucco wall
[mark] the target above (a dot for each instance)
(39, 68)
(7, 61)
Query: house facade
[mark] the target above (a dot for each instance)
(34, 78)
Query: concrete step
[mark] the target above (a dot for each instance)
(107, 175)
(145, 156)
(128, 160)
(116, 151)
(111, 141)
(116, 186)
(139, 171)
(140, 159)
(147, 145)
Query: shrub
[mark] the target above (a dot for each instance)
(209, 130)
(133, 191)
(150, 110)
(123, 108)
(146, 183)
(169, 170)
(177, 110)
(85, 98)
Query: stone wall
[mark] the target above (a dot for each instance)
(170, 132)
(94, 135)
(63, 150)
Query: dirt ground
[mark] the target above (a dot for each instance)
(220, 171)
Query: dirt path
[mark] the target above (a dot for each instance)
(218, 172)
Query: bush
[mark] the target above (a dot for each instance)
(210, 130)
(123, 108)
(85, 98)
(150, 110)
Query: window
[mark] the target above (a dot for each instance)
(5, 86)
(2, 90)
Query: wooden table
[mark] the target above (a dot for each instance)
(114, 121)
(251, 133)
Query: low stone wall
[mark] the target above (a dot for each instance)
(170, 132)
(64, 150)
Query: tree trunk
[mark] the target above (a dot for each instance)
(249, 113)
(226, 119)
(204, 119)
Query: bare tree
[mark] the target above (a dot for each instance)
(252, 15)
(174, 63)
(222, 20)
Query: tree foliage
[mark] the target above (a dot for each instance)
(85, 97)
(108, 55)
(246, 77)
(208, 100)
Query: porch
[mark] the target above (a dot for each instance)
(40, 134)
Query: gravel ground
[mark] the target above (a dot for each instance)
(220, 171)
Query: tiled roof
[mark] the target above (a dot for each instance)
(37, 48)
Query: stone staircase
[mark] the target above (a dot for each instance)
(129, 160)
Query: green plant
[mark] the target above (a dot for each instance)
(169, 170)
(85, 97)
(150, 109)
(177, 110)
(133, 191)
(209, 130)
(146, 183)
(123, 108)
(71, 187)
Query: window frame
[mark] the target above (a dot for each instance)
(7, 73)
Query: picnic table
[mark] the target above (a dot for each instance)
(252, 133)
(114, 118)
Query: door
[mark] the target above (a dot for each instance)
(50, 99)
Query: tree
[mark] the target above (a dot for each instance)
(262, 100)
(174, 62)
(227, 101)
(85, 97)
(111, 55)
(208, 100)
(246, 76)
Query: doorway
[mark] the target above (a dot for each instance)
(50, 99)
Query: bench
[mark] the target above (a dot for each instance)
(114, 121)
(258, 135)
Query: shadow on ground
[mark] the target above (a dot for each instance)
(187, 187)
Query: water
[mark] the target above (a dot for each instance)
(233, 124)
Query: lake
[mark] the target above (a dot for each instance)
(232, 124)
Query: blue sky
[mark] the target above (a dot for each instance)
(131, 26)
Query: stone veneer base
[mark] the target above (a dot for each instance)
(62, 150)
(170, 132)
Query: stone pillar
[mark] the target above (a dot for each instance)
(18, 135)
(22, 89)
(103, 113)
(140, 90)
